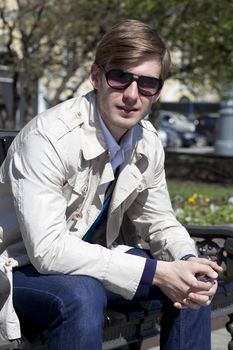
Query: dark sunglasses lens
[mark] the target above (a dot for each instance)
(118, 79)
(149, 86)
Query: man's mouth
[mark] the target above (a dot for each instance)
(127, 110)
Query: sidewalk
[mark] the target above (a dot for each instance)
(219, 337)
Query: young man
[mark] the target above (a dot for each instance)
(83, 184)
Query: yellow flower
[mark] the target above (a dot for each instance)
(193, 199)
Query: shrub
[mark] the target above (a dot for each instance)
(206, 206)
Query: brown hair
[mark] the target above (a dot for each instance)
(130, 41)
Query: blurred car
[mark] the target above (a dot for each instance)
(169, 137)
(187, 138)
(176, 121)
(180, 131)
(207, 125)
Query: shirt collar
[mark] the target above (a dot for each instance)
(113, 146)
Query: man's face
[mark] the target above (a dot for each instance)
(122, 109)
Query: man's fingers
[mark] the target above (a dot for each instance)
(179, 305)
(208, 262)
(201, 300)
(205, 270)
(195, 284)
(191, 304)
(186, 303)
(206, 286)
(203, 289)
(212, 264)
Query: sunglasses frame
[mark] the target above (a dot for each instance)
(133, 77)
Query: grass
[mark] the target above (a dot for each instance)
(201, 203)
(187, 188)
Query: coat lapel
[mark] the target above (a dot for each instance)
(127, 182)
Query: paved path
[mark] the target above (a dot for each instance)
(220, 339)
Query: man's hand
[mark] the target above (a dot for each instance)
(198, 297)
(178, 280)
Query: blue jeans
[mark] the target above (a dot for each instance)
(69, 312)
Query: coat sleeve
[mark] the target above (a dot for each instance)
(37, 173)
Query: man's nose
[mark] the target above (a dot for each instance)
(131, 92)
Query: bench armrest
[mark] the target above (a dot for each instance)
(215, 243)
(210, 231)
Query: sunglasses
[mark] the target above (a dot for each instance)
(120, 80)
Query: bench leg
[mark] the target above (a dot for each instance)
(135, 346)
(132, 346)
(229, 327)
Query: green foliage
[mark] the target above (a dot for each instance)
(58, 38)
(53, 39)
(201, 30)
(202, 205)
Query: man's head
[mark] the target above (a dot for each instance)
(129, 42)
(131, 64)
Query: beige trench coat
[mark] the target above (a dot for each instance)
(52, 189)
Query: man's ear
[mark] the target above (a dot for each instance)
(95, 76)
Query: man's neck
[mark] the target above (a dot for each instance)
(116, 132)
(124, 143)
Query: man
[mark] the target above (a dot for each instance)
(83, 185)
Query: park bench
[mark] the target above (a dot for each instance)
(127, 327)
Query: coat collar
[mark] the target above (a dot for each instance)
(82, 112)
(93, 139)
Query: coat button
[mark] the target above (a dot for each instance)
(8, 262)
(84, 190)
(140, 188)
(78, 216)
